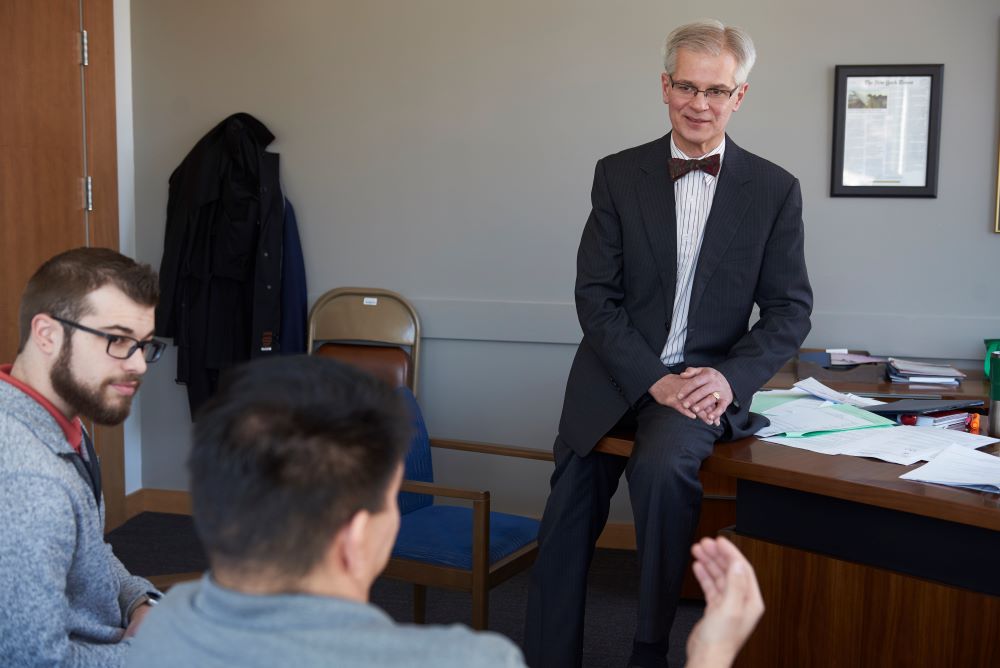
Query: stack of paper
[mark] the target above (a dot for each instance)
(803, 417)
(960, 467)
(907, 371)
(811, 408)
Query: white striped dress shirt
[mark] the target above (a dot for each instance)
(693, 194)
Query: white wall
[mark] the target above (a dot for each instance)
(445, 149)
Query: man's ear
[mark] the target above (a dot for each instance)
(740, 95)
(47, 334)
(353, 541)
(665, 87)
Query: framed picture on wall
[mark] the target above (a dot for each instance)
(996, 219)
(886, 130)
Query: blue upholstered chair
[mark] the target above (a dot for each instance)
(453, 547)
(456, 547)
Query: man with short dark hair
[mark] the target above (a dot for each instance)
(295, 467)
(687, 235)
(86, 328)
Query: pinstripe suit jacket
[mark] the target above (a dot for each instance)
(752, 253)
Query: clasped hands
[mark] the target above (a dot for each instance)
(697, 392)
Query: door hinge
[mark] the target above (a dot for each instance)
(90, 193)
(84, 48)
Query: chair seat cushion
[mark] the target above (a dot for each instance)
(443, 535)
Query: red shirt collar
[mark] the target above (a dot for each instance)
(72, 429)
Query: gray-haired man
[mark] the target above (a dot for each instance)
(687, 234)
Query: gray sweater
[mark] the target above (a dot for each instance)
(63, 594)
(203, 624)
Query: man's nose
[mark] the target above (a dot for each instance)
(136, 363)
(700, 99)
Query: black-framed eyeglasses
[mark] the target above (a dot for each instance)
(121, 346)
(714, 95)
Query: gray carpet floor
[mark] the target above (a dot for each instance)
(157, 543)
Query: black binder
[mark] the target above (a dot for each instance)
(920, 406)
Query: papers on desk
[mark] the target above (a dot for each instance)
(899, 445)
(908, 371)
(765, 400)
(818, 389)
(850, 359)
(960, 467)
(801, 417)
(804, 417)
(811, 408)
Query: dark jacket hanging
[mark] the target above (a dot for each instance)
(294, 296)
(220, 277)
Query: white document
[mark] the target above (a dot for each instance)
(946, 437)
(860, 443)
(816, 388)
(832, 443)
(899, 445)
(805, 416)
(902, 445)
(772, 402)
(960, 467)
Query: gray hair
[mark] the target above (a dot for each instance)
(711, 37)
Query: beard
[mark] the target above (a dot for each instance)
(89, 402)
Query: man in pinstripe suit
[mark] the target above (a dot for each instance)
(686, 235)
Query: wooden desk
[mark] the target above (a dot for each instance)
(858, 567)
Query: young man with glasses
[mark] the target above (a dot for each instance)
(86, 337)
(687, 235)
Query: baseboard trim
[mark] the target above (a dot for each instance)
(615, 536)
(173, 501)
(134, 503)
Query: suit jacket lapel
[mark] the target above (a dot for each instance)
(659, 217)
(727, 213)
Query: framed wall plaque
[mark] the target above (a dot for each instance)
(996, 218)
(886, 130)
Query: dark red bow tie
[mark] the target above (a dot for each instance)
(679, 167)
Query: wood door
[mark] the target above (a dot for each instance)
(57, 125)
(41, 145)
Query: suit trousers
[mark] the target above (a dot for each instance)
(665, 492)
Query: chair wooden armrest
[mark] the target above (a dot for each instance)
(492, 449)
(480, 536)
(439, 490)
